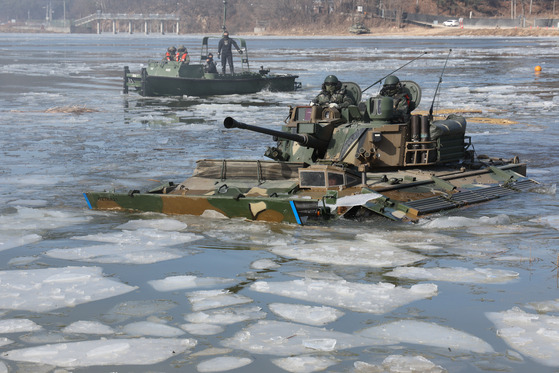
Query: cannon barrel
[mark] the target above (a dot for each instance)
(303, 139)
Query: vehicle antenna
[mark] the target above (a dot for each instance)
(401, 67)
(224, 15)
(437, 89)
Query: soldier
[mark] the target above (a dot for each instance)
(224, 51)
(210, 64)
(182, 55)
(333, 95)
(170, 55)
(393, 88)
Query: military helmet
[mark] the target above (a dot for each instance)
(391, 80)
(331, 79)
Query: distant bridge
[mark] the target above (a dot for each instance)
(145, 20)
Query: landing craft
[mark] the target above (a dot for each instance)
(356, 162)
(181, 78)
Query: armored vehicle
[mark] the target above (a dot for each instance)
(178, 78)
(357, 162)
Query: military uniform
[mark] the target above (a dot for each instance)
(393, 88)
(333, 93)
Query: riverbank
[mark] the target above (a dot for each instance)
(418, 31)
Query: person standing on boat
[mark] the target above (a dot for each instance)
(210, 65)
(182, 55)
(224, 51)
(333, 94)
(393, 88)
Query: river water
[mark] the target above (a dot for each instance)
(469, 290)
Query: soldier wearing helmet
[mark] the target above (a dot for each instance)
(182, 55)
(333, 94)
(170, 55)
(393, 88)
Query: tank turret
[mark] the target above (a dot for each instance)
(369, 136)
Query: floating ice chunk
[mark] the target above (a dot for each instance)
(356, 253)
(5, 341)
(28, 202)
(207, 299)
(137, 351)
(536, 336)
(18, 326)
(545, 306)
(223, 363)
(185, 282)
(22, 260)
(9, 241)
(211, 351)
(304, 364)
(399, 363)
(161, 224)
(306, 314)
(202, 329)
(41, 290)
(552, 221)
(461, 222)
(3, 367)
(286, 339)
(88, 327)
(226, 316)
(372, 298)
(143, 246)
(456, 274)
(126, 310)
(152, 329)
(264, 264)
(28, 218)
(428, 334)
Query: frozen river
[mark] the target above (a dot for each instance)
(470, 290)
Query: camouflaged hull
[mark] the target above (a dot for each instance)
(276, 192)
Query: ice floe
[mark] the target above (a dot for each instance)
(18, 326)
(533, 335)
(141, 246)
(172, 283)
(202, 328)
(137, 351)
(285, 339)
(207, 299)
(456, 274)
(152, 329)
(42, 290)
(137, 308)
(304, 364)
(427, 334)
(400, 364)
(545, 306)
(261, 264)
(5, 341)
(226, 316)
(9, 240)
(358, 253)
(306, 314)
(88, 327)
(161, 224)
(372, 298)
(223, 363)
(461, 222)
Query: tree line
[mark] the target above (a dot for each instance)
(244, 15)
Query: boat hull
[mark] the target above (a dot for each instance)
(412, 198)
